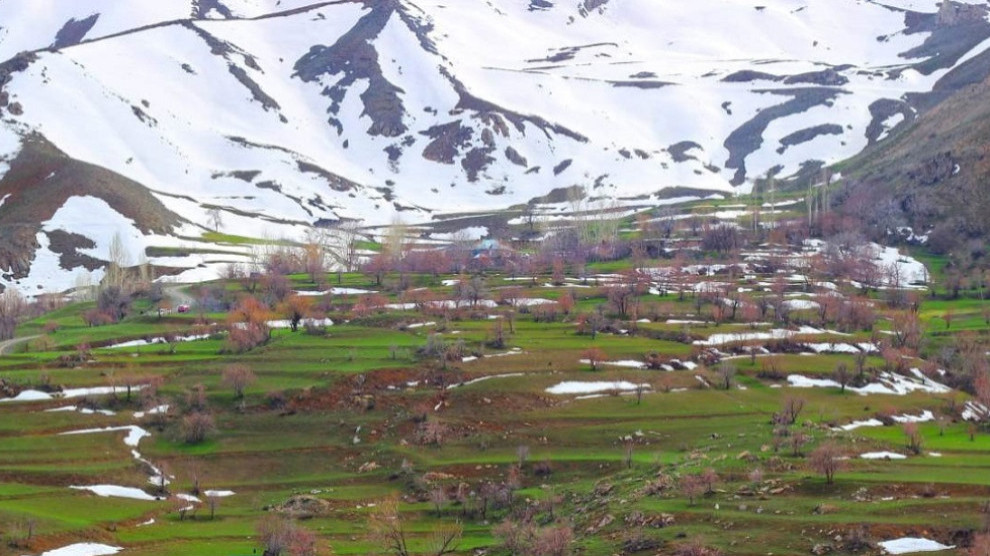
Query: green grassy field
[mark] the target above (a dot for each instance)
(357, 414)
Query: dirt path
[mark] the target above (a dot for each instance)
(7, 346)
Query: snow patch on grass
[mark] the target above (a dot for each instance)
(882, 455)
(84, 549)
(574, 387)
(907, 545)
(115, 491)
(133, 438)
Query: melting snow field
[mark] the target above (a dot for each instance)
(833, 348)
(630, 364)
(590, 387)
(153, 411)
(159, 340)
(84, 549)
(484, 378)
(923, 418)
(133, 438)
(889, 383)
(282, 324)
(114, 491)
(776, 334)
(37, 396)
(28, 396)
(882, 455)
(84, 410)
(334, 291)
(219, 493)
(908, 545)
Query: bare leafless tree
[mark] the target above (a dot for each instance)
(12, 308)
(238, 377)
(827, 460)
(386, 530)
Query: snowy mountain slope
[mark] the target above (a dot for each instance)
(287, 113)
(38, 24)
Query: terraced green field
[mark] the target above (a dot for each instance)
(340, 421)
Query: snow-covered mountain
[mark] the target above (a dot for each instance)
(285, 113)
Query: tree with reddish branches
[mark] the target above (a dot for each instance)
(247, 325)
(623, 295)
(913, 437)
(827, 460)
(196, 426)
(594, 356)
(691, 487)
(709, 478)
(280, 536)
(295, 308)
(378, 266)
(238, 377)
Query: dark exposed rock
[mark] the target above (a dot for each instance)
(641, 84)
(337, 183)
(952, 36)
(40, 180)
(569, 52)
(475, 162)
(881, 111)
(270, 185)
(201, 8)
(355, 57)
(394, 153)
(484, 108)
(67, 246)
(8, 68)
(827, 78)
(588, 6)
(970, 73)
(447, 141)
(227, 52)
(559, 169)
(74, 31)
(808, 134)
(746, 76)
(257, 93)
(559, 195)
(679, 151)
(513, 156)
(748, 137)
(245, 175)
(952, 14)
(487, 137)
(143, 116)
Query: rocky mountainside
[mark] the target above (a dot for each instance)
(281, 114)
(931, 176)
